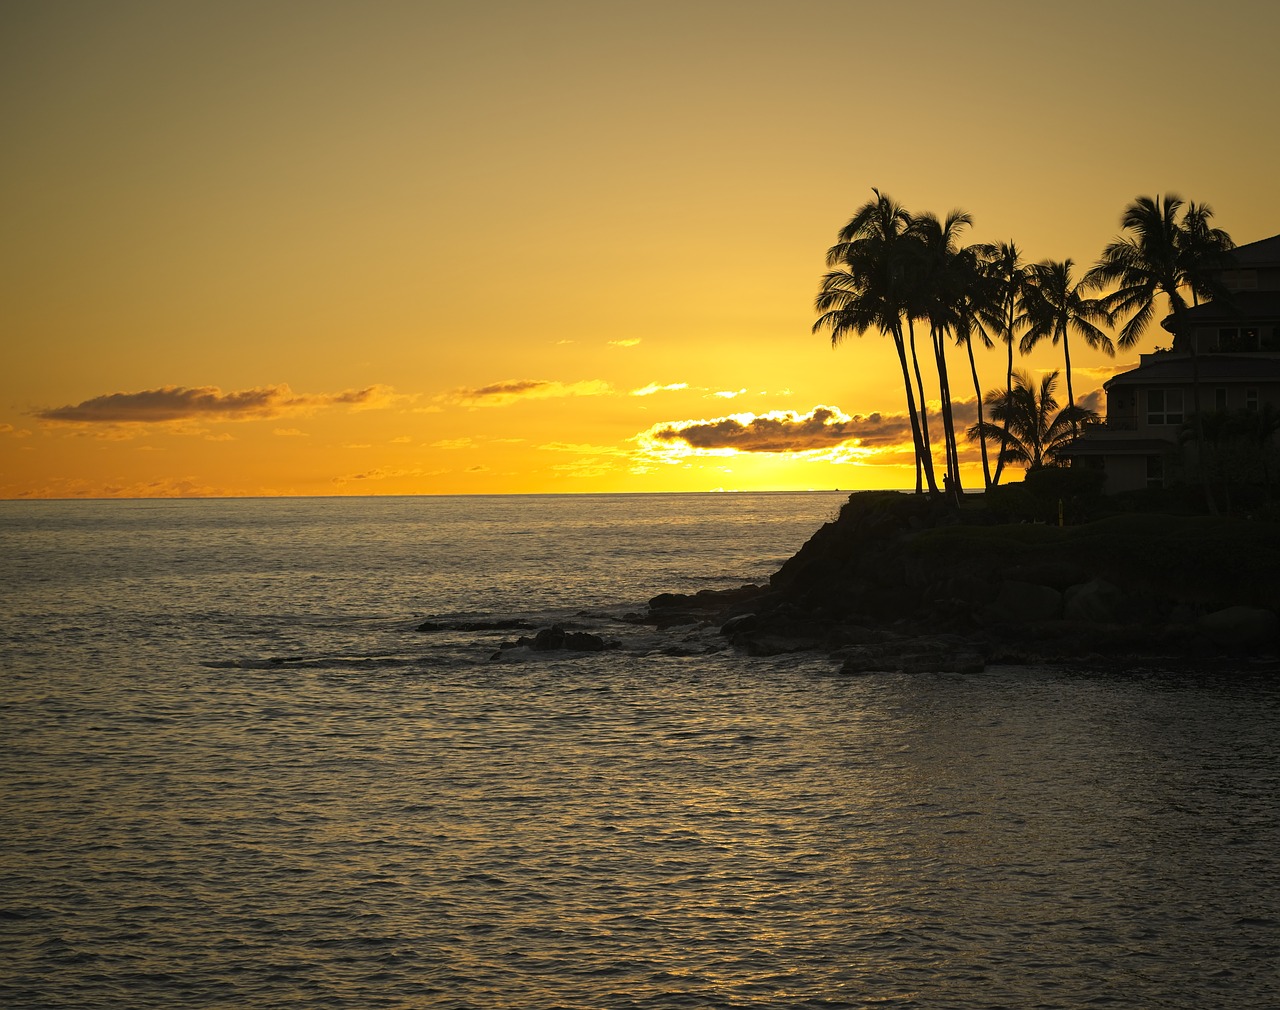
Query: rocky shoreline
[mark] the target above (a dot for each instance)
(900, 582)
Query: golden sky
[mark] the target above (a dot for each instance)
(311, 247)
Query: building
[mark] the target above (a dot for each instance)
(1141, 442)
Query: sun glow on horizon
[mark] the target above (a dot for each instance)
(571, 249)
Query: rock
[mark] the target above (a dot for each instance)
(1026, 601)
(502, 625)
(765, 644)
(1096, 601)
(556, 638)
(1240, 628)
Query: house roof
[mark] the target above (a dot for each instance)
(1255, 306)
(1264, 252)
(1171, 367)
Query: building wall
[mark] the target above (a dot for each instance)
(1125, 473)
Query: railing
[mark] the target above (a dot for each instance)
(1112, 424)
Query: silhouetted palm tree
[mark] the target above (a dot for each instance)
(867, 289)
(1162, 255)
(1008, 274)
(977, 310)
(1026, 419)
(940, 291)
(1055, 306)
(1144, 264)
(1205, 251)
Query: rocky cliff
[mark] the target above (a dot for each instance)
(900, 581)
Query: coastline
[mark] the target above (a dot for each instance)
(901, 582)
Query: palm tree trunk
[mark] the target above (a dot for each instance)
(1066, 354)
(924, 415)
(1008, 388)
(916, 434)
(977, 390)
(948, 420)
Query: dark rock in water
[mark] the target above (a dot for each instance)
(556, 638)
(513, 624)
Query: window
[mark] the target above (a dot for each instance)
(1155, 471)
(1251, 398)
(1220, 400)
(1164, 406)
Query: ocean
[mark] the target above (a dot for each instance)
(233, 774)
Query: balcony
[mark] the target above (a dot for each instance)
(1106, 425)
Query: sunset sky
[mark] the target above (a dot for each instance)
(315, 248)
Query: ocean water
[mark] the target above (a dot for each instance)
(232, 774)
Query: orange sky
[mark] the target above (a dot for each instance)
(400, 248)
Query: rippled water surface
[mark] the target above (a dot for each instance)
(232, 774)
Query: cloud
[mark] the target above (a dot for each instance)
(624, 343)
(1095, 371)
(499, 394)
(12, 432)
(653, 387)
(453, 443)
(289, 433)
(781, 431)
(729, 394)
(1095, 399)
(182, 403)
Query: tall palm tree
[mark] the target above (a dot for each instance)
(1009, 276)
(1162, 255)
(1026, 420)
(1056, 306)
(867, 289)
(977, 310)
(941, 284)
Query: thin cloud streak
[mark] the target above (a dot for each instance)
(500, 394)
(182, 403)
(653, 387)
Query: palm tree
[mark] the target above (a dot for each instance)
(1009, 277)
(1161, 255)
(1144, 264)
(1204, 251)
(940, 291)
(1026, 421)
(977, 308)
(867, 289)
(1055, 306)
